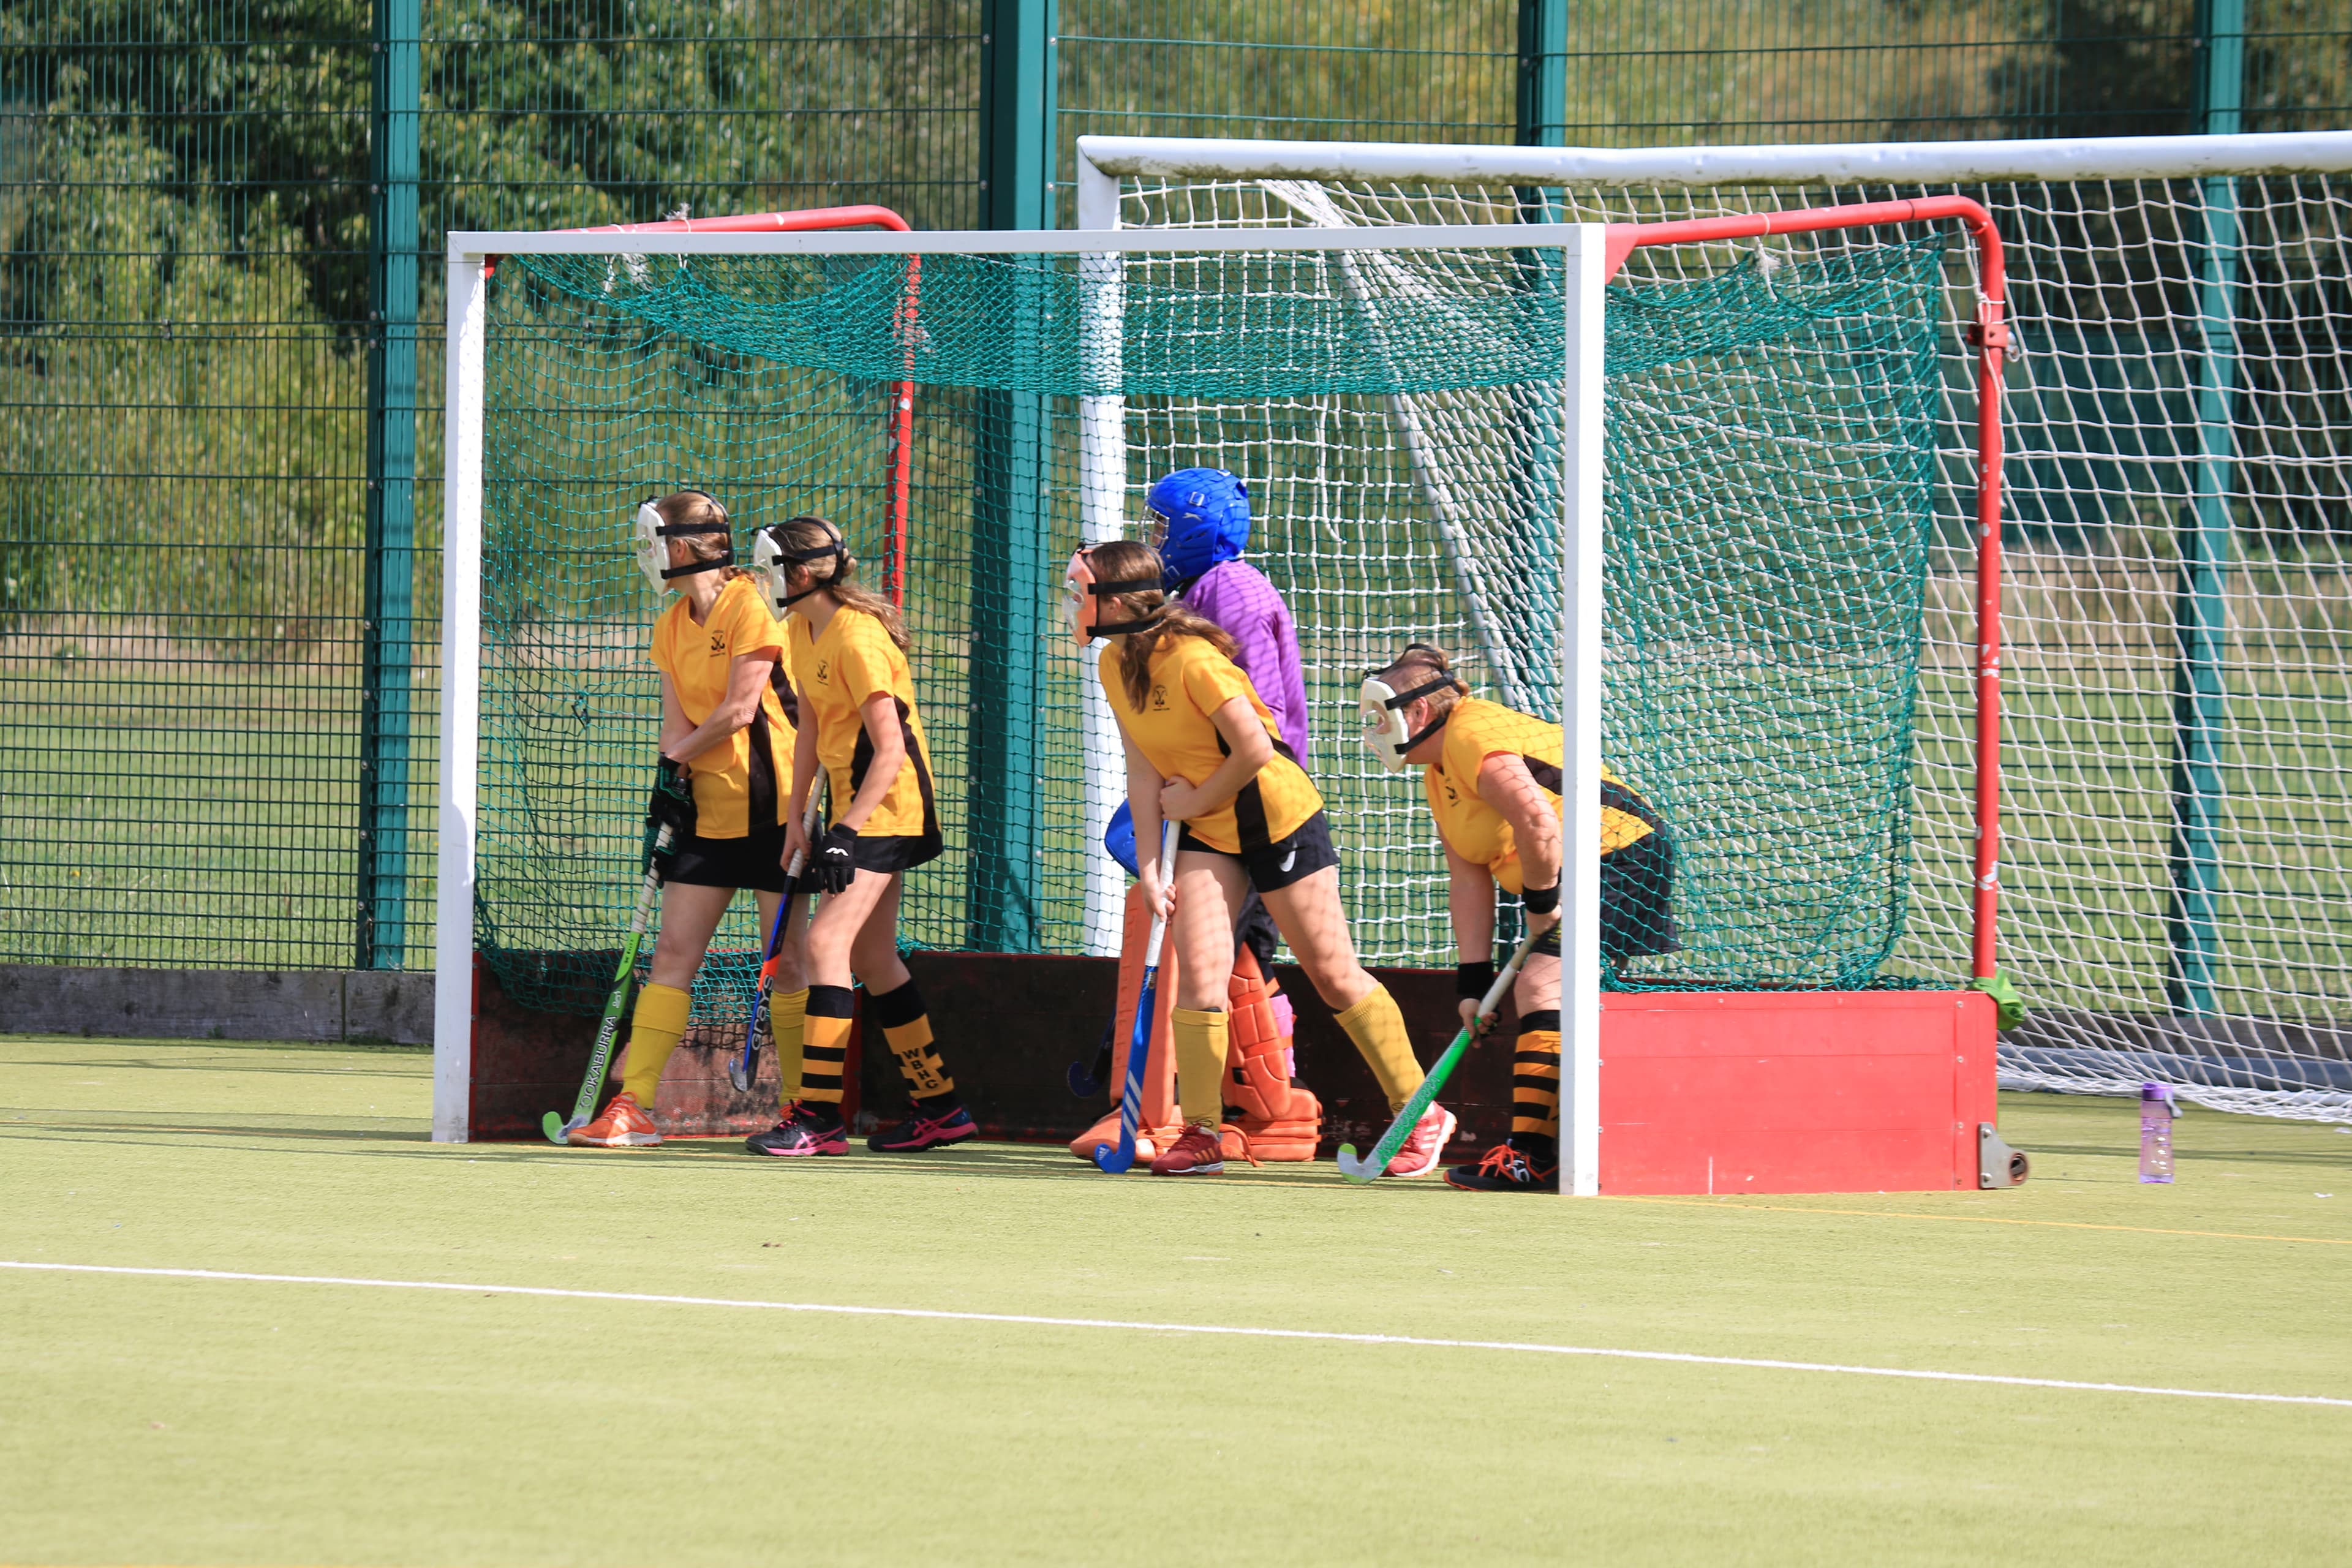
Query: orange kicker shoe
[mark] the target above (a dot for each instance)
(1425, 1146)
(1197, 1154)
(623, 1124)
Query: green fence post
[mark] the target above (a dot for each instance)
(2201, 608)
(1010, 525)
(390, 547)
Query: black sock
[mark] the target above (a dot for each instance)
(938, 1104)
(1543, 1149)
(823, 1113)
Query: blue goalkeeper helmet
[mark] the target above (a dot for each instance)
(1207, 512)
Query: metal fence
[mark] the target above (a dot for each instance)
(218, 400)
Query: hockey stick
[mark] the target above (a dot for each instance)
(600, 1060)
(1085, 1084)
(1400, 1129)
(746, 1063)
(1139, 1042)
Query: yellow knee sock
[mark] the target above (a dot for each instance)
(1200, 1064)
(824, 1043)
(1379, 1031)
(658, 1024)
(787, 1020)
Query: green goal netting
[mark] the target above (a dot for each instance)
(1771, 467)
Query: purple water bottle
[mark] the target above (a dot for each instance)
(2157, 1110)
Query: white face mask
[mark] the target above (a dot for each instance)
(774, 565)
(1384, 709)
(649, 539)
(768, 567)
(1083, 596)
(652, 548)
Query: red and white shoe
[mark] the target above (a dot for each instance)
(623, 1124)
(1421, 1152)
(1199, 1152)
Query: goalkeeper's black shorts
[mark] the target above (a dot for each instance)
(756, 861)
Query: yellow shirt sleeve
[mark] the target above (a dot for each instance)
(1212, 682)
(864, 667)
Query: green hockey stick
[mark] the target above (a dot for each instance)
(600, 1060)
(1357, 1170)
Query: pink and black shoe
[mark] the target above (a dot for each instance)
(806, 1128)
(924, 1128)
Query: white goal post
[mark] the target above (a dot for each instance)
(1582, 249)
(1573, 263)
(2179, 612)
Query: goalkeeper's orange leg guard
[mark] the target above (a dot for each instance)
(1269, 1117)
(1156, 1122)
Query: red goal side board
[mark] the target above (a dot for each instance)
(1801, 1091)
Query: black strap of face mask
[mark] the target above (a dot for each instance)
(1112, 591)
(1396, 703)
(840, 554)
(679, 531)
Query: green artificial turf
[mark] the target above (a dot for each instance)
(156, 1421)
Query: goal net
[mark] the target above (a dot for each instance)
(1405, 415)
(2177, 873)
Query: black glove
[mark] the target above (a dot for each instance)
(670, 805)
(1541, 900)
(833, 862)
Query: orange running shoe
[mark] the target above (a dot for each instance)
(1425, 1145)
(1199, 1152)
(623, 1124)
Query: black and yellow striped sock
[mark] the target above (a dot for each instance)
(787, 1025)
(655, 1029)
(908, 1027)
(824, 1044)
(1535, 1085)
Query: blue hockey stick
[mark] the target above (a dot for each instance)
(746, 1063)
(1138, 1046)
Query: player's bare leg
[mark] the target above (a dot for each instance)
(1308, 914)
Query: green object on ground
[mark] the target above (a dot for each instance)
(180, 1420)
(1402, 1124)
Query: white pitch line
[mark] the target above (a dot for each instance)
(1329, 1336)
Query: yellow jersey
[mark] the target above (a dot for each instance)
(1476, 730)
(836, 675)
(1190, 681)
(754, 766)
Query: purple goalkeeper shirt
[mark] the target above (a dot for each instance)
(1236, 595)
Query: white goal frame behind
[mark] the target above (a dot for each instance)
(2283, 1045)
(1589, 255)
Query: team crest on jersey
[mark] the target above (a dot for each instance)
(1159, 698)
(822, 677)
(718, 642)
